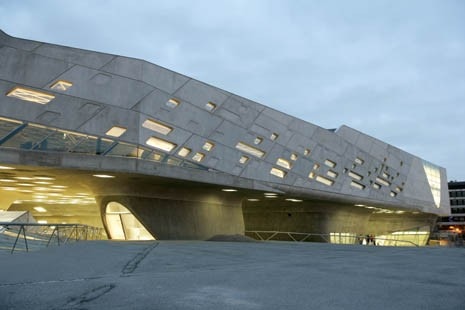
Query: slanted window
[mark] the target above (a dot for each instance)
(30, 95)
(284, 163)
(293, 157)
(243, 159)
(324, 180)
(249, 149)
(183, 152)
(278, 172)
(210, 106)
(331, 174)
(330, 163)
(357, 185)
(116, 131)
(307, 152)
(161, 144)
(258, 140)
(61, 85)
(198, 157)
(172, 103)
(157, 126)
(274, 136)
(359, 161)
(208, 146)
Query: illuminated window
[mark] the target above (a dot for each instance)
(243, 159)
(161, 144)
(383, 182)
(258, 140)
(172, 103)
(324, 180)
(399, 189)
(61, 85)
(357, 185)
(210, 106)
(293, 157)
(184, 152)
(331, 174)
(393, 194)
(283, 163)
(249, 149)
(359, 161)
(307, 152)
(330, 163)
(198, 157)
(311, 175)
(30, 95)
(316, 166)
(157, 126)
(385, 175)
(116, 131)
(355, 176)
(104, 176)
(274, 136)
(208, 146)
(376, 186)
(278, 172)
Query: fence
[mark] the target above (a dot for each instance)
(316, 237)
(32, 236)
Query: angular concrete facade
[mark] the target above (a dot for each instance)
(189, 160)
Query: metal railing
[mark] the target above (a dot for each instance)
(32, 236)
(315, 237)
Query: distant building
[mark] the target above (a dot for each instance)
(454, 225)
(146, 152)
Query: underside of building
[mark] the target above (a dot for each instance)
(145, 152)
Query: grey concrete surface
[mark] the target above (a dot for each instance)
(232, 275)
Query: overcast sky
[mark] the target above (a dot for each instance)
(392, 69)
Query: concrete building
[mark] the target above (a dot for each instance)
(150, 153)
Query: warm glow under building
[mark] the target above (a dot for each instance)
(147, 152)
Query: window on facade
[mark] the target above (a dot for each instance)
(210, 106)
(243, 159)
(198, 157)
(208, 146)
(157, 126)
(116, 131)
(30, 95)
(161, 144)
(172, 103)
(273, 136)
(249, 149)
(183, 152)
(61, 85)
(278, 172)
(330, 163)
(324, 180)
(284, 163)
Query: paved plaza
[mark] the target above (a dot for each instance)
(232, 275)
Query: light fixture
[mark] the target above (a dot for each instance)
(43, 177)
(8, 188)
(6, 168)
(103, 176)
(253, 199)
(40, 209)
(229, 190)
(293, 200)
(7, 180)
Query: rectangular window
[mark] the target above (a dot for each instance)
(359, 161)
(250, 150)
(357, 185)
(307, 152)
(330, 163)
(284, 163)
(383, 182)
(116, 131)
(331, 174)
(293, 157)
(30, 95)
(198, 157)
(355, 176)
(278, 172)
(183, 152)
(258, 140)
(172, 103)
(274, 136)
(157, 127)
(311, 175)
(316, 166)
(393, 194)
(210, 106)
(376, 186)
(324, 180)
(208, 146)
(161, 144)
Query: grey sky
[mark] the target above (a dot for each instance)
(392, 69)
